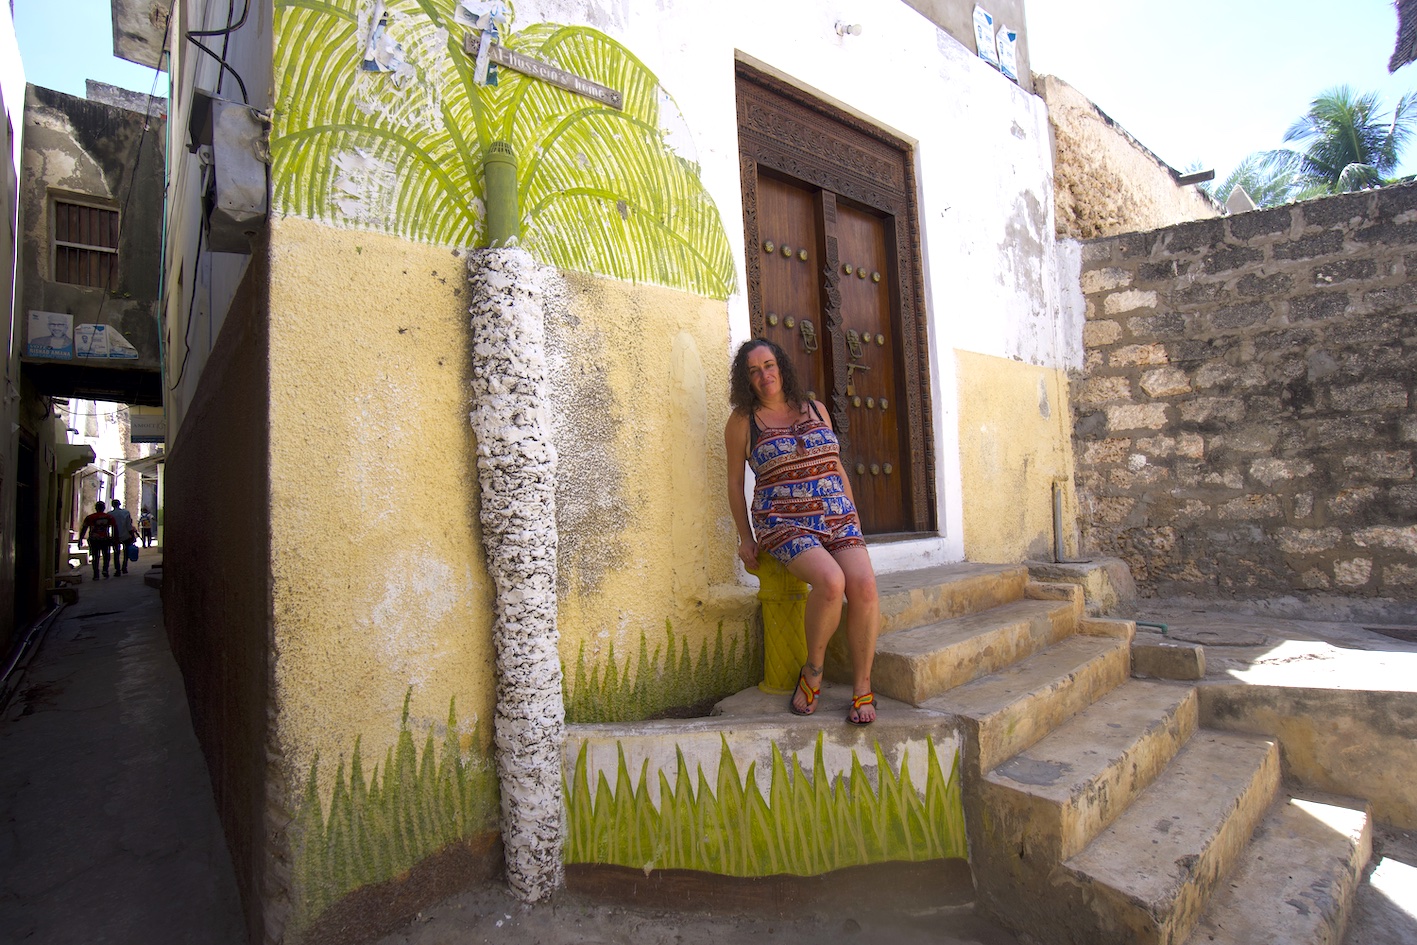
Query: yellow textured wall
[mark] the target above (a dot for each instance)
(1014, 441)
(378, 575)
(639, 376)
(377, 565)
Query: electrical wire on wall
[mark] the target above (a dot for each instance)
(191, 304)
(225, 33)
(225, 67)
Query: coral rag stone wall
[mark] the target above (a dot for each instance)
(1245, 425)
(1104, 181)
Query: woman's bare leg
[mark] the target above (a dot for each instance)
(863, 621)
(822, 572)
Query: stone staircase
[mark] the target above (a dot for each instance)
(1098, 810)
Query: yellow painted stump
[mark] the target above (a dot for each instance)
(784, 600)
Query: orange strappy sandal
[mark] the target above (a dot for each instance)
(806, 689)
(854, 716)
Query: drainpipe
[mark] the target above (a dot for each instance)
(1057, 523)
(499, 169)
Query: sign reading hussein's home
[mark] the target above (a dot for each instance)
(544, 71)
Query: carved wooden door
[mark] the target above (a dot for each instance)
(794, 222)
(875, 461)
(832, 276)
(791, 287)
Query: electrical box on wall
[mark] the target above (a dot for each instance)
(238, 157)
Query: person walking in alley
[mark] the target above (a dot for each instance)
(99, 527)
(145, 526)
(123, 536)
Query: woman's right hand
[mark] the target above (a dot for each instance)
(748, 552)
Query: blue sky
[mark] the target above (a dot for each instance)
(64, 42)
(1207, 81)
(1213, 80)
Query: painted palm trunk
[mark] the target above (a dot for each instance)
(516, 467)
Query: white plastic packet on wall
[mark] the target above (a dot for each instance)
(984, 36)
(1008, 52)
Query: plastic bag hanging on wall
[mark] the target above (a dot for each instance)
(490, 18)
(1007, 40)
(984, 36)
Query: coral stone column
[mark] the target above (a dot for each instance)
(516, 466)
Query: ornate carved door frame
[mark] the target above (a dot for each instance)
(783, 129)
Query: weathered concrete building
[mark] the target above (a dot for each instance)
(85, 324)
(1105, 181)
(91, 249)
(12, 90)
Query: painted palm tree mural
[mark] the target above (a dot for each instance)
(601, 190)
(379, 125)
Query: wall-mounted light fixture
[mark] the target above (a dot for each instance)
(848, 29)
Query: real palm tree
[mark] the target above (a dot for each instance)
(1267, 185)
(1346, 143)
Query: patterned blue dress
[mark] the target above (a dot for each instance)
(799, 500)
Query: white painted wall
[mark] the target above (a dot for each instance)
(12, 79)
(199, 286)
(984, 168)
(983, 165)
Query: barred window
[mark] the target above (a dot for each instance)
(85, 245)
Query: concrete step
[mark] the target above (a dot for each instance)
(915, 598)
(1296, 882)
(917, 664)
(1007, 711)
(1147, 878)
(1049, 801)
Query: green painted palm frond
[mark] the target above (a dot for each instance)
(638, 210)
(601, 190)
(351, 148)
(536, 106)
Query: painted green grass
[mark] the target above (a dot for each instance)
(666, 677)
(378, 830)
(803, 826)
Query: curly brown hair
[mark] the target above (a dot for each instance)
(740, 392)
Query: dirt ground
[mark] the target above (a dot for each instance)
(1384, 913)
(492, 916)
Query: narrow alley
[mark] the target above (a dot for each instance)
(109, 831)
